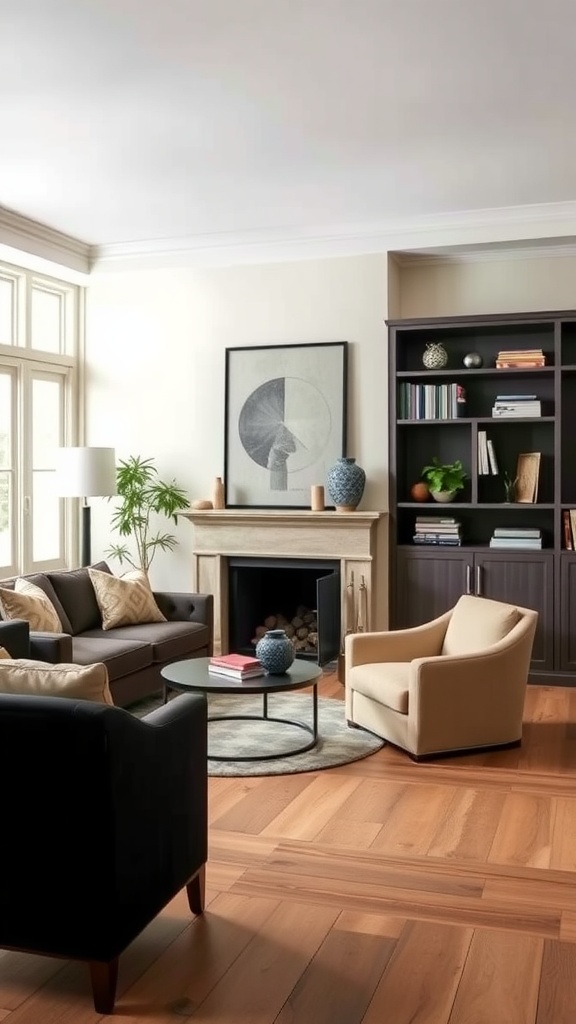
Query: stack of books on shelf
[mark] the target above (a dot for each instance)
(487, 461)
(516, 405)
(437, 530)
(431, 401)
(236, 666)
(569, 521)
(520, 357)
(516, 537)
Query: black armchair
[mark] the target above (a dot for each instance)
(104, 819)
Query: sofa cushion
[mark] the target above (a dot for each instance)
(125, 600)
(121, 657)
(37, 678)
(384, 682)
(27, 601)
(477, 623)
(76, 594)
(168, 640)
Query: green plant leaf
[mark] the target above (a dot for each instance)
(449, 476)
(143, 494)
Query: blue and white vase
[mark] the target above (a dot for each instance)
(276, 651)
(345, 482)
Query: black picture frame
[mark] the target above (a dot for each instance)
(285, 421)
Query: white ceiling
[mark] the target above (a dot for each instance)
(126, 121)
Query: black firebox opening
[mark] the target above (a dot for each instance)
(262, 589)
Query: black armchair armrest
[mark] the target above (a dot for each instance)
(15, 637)
(52, 647)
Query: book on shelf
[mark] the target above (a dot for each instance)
(569, 539)
(519, 358)
(437, 519)
(516, 543)
(517, 531)
(573, 525)
(509, 408)
(435, 539)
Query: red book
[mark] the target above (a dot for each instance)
(238, 661)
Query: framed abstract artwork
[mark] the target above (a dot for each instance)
(285, 421)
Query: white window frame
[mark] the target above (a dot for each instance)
(27, 364)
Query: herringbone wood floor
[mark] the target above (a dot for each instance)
(382, 891)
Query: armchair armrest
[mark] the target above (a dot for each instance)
(54, 648)
(397, 644)
(15, 637)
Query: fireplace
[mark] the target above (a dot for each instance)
(356, 542)
(299, 595)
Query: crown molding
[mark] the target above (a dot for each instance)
(499, 233)
(21, 234)
(560, 249)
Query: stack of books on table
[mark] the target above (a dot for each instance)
(516, 405)
(437, 530)
(518, 358)
(236, 666)
(517, 538)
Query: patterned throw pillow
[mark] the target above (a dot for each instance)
(41, 679)
(125, 601)
(27, 601)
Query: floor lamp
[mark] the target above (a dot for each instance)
(86, 473)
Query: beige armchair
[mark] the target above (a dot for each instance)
(452, 685)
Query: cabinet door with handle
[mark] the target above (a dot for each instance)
(525, 579)
(429, 583)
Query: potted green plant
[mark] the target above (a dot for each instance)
(444, 479)
(143, 495)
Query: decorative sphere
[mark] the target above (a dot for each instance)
(473, 361)
(420, 491)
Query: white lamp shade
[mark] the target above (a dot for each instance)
(85, 472)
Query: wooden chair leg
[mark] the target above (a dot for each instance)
(104, 977)
(196, 890)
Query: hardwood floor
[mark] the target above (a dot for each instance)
(380, 891)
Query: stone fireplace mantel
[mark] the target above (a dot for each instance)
(357, 540)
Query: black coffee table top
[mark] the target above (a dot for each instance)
(193, 674)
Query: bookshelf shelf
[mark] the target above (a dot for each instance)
(426, 580)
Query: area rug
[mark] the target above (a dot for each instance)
(337, 743)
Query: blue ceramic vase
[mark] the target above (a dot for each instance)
(345, 483)
(276, 651)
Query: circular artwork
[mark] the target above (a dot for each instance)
(284, 426)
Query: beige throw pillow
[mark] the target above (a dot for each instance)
(27, 601)
(126, 600)
(41, 679)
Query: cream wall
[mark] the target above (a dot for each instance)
(155, 351)
(512, 285)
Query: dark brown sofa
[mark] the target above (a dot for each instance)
(133, 655)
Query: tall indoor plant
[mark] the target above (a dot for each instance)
(143, 495)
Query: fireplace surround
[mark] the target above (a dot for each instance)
(353, 542)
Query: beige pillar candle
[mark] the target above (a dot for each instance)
(317, 498)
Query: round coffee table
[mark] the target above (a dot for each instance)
(193, 674)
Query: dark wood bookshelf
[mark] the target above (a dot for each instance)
(426, 580)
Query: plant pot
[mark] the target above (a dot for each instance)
(443, 496)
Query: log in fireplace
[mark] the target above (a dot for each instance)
(266, 589)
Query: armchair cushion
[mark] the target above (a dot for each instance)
(386, 683)
(477, 623)
(27, 601)
(126, 600)
(36, 678)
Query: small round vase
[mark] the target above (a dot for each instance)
(345, 483)
(435, 356)
(276, 651)
(443, 496)
(473, 361)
